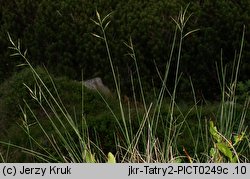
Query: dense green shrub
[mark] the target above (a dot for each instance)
(100, 121)
(16, 17)
(221, 25)
(243, 89)
(13, 93)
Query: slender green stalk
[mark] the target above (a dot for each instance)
(103, 25)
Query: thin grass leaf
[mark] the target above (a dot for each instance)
(97, 36)
(97, 23)
(177, 24)
(39, 155)
(106, 25)
(184, 15)
(190, 32)
(10, 39)
(15, 54)
(98, 16)
(187, 19)
(25, 52)
(127, 45)
(33, 92)
(12, 48)
(18, 44)
(106, 17)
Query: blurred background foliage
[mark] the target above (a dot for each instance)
(57, 34)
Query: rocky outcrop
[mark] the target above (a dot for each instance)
(97, 84)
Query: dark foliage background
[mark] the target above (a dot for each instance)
(57, 34)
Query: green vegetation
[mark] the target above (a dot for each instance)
(51, 118)
(57, 35)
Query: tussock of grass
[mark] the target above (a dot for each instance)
(151, 131)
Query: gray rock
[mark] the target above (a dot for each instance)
(97, 84)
